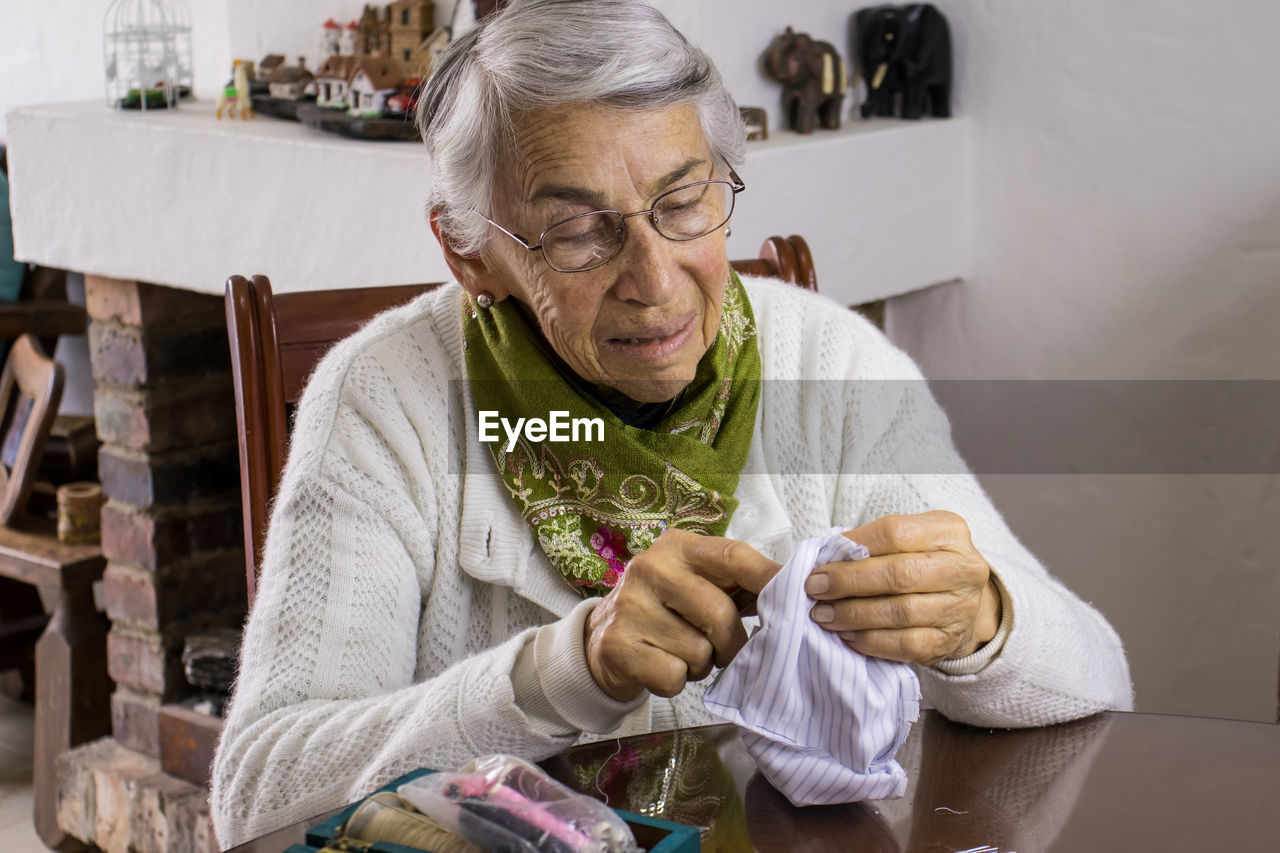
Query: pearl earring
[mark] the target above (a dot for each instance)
(485, 300)
(728, 232)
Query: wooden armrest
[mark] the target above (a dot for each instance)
(34, 555)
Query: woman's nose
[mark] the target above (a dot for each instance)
(648, 263)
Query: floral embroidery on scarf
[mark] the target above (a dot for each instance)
(594, 506)
(612, 548)
(736, 323)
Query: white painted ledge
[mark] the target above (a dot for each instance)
(884, 204)
(182, 199)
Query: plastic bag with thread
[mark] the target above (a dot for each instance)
(504, 803)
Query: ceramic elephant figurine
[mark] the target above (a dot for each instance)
(904, 52)
(813, 80)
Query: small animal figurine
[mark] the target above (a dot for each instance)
(235, 95)
(813, 80)
(756, 121)
(904, 53)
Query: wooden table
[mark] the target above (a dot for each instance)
(1131, 782)
(73, 692)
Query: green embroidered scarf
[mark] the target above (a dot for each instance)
(593, 504)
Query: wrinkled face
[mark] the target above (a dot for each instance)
(639, 324)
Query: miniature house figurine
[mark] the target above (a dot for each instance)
(260, 82)
(270, 64)
(370, 70)
(373, 34)
(423, 57)
(146, 51)
(347, 44)
(330, 40)
(289, 83)
(331, 82)
(411, 24)
(373, 79)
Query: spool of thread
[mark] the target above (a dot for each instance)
(386, 817)
(79, 513)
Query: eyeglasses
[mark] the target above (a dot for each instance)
(592, 239)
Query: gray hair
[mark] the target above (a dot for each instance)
(540, 54)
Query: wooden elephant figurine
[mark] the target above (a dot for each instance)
(813, 80)
(904, 53)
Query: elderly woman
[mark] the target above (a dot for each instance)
(444, 579)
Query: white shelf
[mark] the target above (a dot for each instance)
(883, 203)
(182, 199)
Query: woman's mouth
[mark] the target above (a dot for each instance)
(654, 344)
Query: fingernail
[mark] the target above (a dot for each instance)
(823, 613)
(848, 636)
(817, 584)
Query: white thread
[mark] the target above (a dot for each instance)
(596, 782)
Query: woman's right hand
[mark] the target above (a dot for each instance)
(671, 616)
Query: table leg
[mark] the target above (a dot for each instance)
(73, 700)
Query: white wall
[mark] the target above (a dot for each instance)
(53, 50)
(1127, 225)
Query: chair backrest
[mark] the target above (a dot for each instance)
(276, 340)
(30, 391)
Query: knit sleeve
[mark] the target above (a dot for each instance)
(326, 707)
(334, 697)
(1061, 659)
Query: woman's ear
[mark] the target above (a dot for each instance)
(473, 272)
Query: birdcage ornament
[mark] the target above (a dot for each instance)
(146, 50)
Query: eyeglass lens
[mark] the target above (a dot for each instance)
(592, 239)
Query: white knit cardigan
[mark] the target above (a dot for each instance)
(401, 593)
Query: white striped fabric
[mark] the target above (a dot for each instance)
(821, 721)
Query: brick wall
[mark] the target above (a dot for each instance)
(120, 801)
(169, 468)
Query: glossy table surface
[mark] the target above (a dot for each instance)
(1122, 782)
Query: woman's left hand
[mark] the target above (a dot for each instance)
(924, 595)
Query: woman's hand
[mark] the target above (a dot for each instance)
(671, 616)
(924, 595)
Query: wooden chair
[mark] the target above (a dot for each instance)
(30, 390)
(276, 340)
(72, 688)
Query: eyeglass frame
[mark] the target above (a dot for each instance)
(735, 183)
